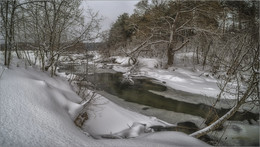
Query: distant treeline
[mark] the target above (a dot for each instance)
(79, 47)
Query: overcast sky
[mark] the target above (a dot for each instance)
(110, 10)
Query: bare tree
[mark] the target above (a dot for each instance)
(50, 28)
(8, 9)
(8, 12)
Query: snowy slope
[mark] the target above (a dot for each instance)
(106, 117)
(37, 110)
(31, 114)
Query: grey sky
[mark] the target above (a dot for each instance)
(110, 10)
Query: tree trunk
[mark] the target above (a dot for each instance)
(17, 53)
(6, 32)
(170, 55)
(224, 22)
(197, 55)
(206, 54)
(229, 114)
(6, 50)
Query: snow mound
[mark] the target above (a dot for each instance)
(135, 130)
(144, 62)
(108, 118)
(35, 111)
(148, 62)
(121, 60)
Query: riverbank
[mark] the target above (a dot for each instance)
(168, 116)
(236, 133)
(201, 84)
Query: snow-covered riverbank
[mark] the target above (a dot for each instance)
(37, 110)
(200, 83)
(185, 79)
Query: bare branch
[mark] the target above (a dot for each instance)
(181, 46)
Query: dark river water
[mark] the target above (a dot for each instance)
(139, 93)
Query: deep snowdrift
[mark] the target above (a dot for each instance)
(33, 111)
(37, 110)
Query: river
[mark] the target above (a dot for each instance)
(149, 97)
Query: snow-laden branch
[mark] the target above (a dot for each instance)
(141, 45)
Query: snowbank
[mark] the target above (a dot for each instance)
(183, 79)
(148, 62)
(106, 117)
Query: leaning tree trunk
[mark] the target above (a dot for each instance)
(229, 114)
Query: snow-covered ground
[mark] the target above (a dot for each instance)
(37, 110)
(108, 118)
(185, 80)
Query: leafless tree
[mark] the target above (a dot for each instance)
(49, 27)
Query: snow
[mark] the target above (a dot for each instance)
(237, 133)
(148, 62)
(179, 139)
(37, 110)
(106, 117)
(36, 113)
(122, 60)
(184, 79)
(135, 130)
